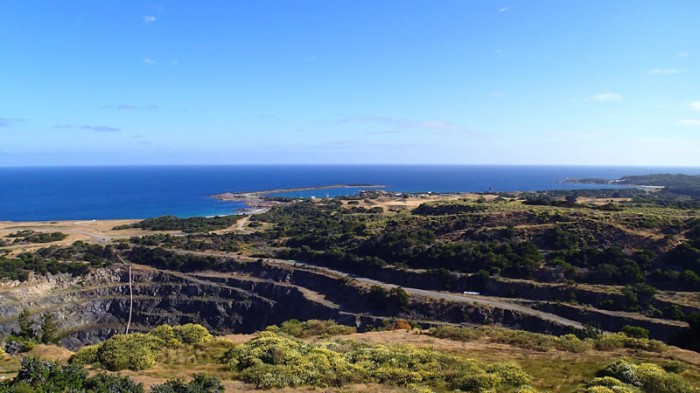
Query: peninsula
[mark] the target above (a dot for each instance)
(255, 198)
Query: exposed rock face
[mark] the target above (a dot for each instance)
(94, 307)
(91, 308)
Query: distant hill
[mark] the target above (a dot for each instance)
(677, 184)
(672, 183)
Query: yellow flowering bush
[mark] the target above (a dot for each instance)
(275, 361)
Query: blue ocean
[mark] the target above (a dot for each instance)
(83, 193)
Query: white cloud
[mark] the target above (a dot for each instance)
(684, 53)
(148, 19)
(689, 122)
(664, 71)
(695, 105)
(504, 9)
(148, 61)
(605, 97)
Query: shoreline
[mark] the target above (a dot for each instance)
(247, 195)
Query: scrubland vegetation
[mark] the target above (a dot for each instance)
(544, 342)
(28, 236)
(76, 259)
(325, 358)
(640, 255)
(187, 225)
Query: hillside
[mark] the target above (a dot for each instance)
(400, 359)
(540, 263)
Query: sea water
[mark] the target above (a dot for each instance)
(83, 193)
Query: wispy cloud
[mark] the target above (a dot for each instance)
(664, 71)
(689, 122)
(505, 8)
(148, 61)
(695, 105)
(9, 122)
(605, 97)
(358, 144)
(684, 53)
(131, 107)
(434, 126)
(90, 128)
(174, 62)
(148, 19)
(100, 128)
(497, 93)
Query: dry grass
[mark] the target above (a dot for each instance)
(50, 352)
(98, 231)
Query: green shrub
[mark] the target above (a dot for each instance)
(104, 383)
(526, 389)
(275, 361)
(47, 376)
(85, 355)
(635, 331)
(199, 384)
(510, 374)
(134, 351)
(571, 343)
(655, 379)
(164, 332)
(192, 333)
(675, 367)
(480, 382)
(311, 328)
(599, 389)
(605, 381)
(610, 342)
(623, 371)
(42, 376)
(649, 377)
(267, 376)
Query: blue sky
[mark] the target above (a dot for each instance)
(316, 82)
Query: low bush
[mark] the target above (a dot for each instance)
(276, 361)
(42, 376)
(192, 334)
(648, 377)
(199, 384)
(312, 328)
(136, 351)
(85, 355)
(544, 342)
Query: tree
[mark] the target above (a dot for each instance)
(401, 297)
(49, 330)
(25, 325)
